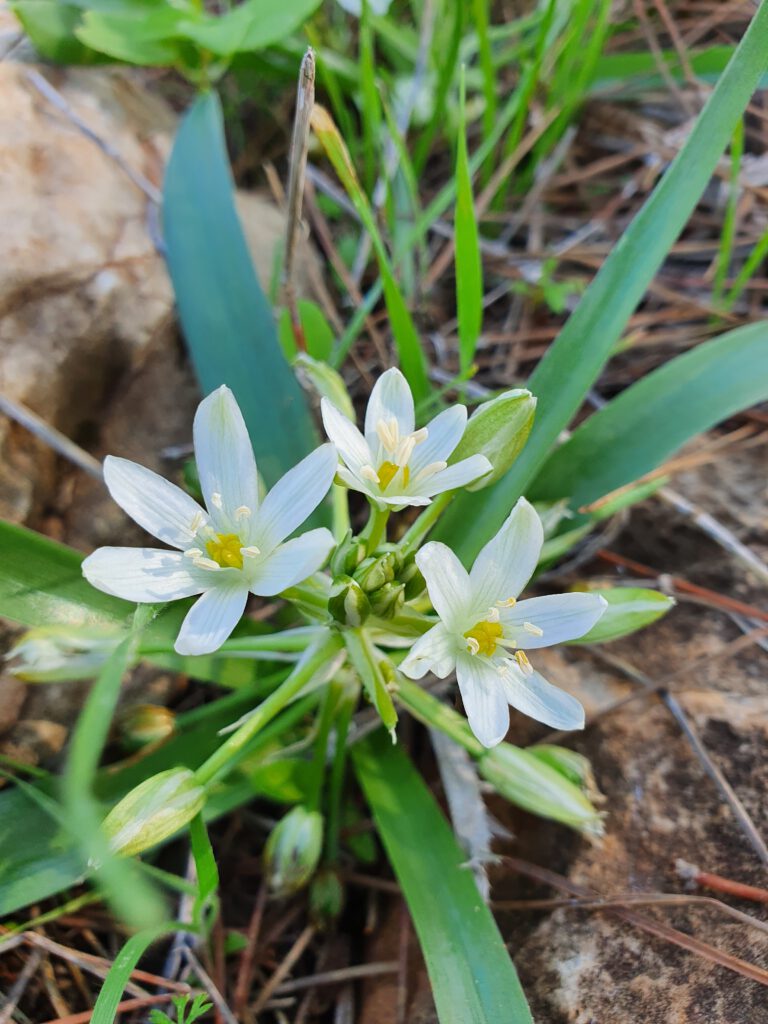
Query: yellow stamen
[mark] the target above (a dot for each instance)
(388, 471)
(508, 602)
(485, 635)
(529, 627)
(522, 660)
(224, 549)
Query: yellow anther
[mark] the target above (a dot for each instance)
(216, 500)
(533, 630)
(369, 473)
(225, 550)
(251, 551)
(243, 512)
(508, 602)
(197, 521)
(522, 660)
(485, 635)
(194, 553)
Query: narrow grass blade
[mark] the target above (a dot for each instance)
(469, 264)
(582, 348)
(406, 337)
(481, 15)
(105, 1010)
(728, 233)
(473, 979)
(227, 321)
(652, 419)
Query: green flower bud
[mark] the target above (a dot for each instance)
(572, 765)
(347, 556)
(293, 850)
(498, 430)
(375, 572)
(326, 381)
(326, 898)
(347, 603)
(388, 600)
(527, 781)
(415, 584)
(153, 811)
(145, 723)
(53, 654)
(629, 609)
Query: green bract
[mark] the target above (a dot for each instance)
(154, 811)
(497, 429)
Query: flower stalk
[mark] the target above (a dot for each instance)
(232, 749)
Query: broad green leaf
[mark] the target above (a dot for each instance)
(469, 264)
(251, 25)
(649, 421)
(614, 69)
(629, 609)
(406, 336)
(473, 979)
(51, 25)
(227, 321)
(575, 360)
(141, 38)
(41, 584)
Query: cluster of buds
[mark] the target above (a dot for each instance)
(379, 584)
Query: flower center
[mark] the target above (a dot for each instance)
(225, 550)
(483, 637)
(388, 471)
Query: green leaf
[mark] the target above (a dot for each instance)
(227, 321)
(251, 25)
(105, 1010)
(473, 979)
(41, 584)
(651, 419)
(469, 264)
(141, 38)
(363, 656)
(51, 25)
(206, 869)
(629, 609)
(318, 333)
(582, 348)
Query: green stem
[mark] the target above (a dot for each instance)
(340, 508)
(327, 714)
(232, 749)
(375, 529)
(436, 714)
(421, 527)
(287, 641)
(336, 780)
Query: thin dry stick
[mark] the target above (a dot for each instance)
(54, 438)
(338, 976)
(646, 924)
(738, 809)
(305, 100)
(650, 899)
(125, 1007)
(247, 961)
(285, 967)
(206, 981)
(20, 987)
(740, 891)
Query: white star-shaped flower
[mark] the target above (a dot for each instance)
(484, 631)
(235, 546)
(395, 464)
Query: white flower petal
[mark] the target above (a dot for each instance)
(225, 459)
(539, 699)
(344, 434)
(559, 616)
(443, 434)
(157, 505)
(507, 562)
(433, 652)
(142, 574)
(211, 619)
(294, 497)
(398, 501)
(458, 475)
(484, 699)
(448, 585)
(391, 398)
(292, 562)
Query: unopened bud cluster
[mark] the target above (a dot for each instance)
(377, 585)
